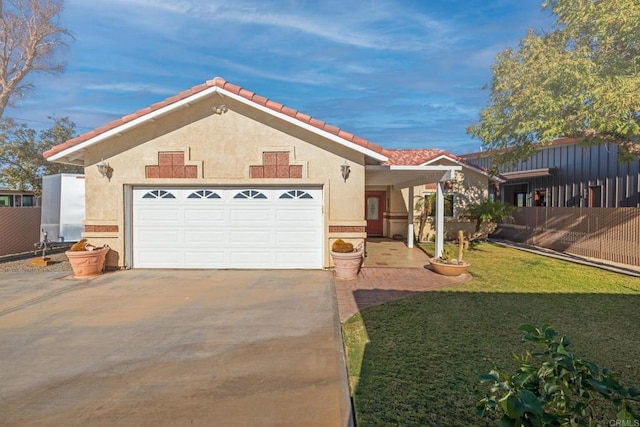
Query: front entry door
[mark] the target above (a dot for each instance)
(374, 209)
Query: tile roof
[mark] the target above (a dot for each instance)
(416, 157)
(413, 157)
(222, 84)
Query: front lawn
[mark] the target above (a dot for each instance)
(415, 362)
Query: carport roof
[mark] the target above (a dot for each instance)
(400, 176)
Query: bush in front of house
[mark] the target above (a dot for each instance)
(554, 387)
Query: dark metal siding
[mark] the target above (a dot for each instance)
(577, 167)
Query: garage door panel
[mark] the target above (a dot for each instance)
(154, 215)
(250, 237)
(244, 216)
(193, 231)
(302, 238)
(203, 216)
(158, 235)
(304, 216)
(206, 259)
(200, 237)
(251, 259)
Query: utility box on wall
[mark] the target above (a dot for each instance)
(63, 208)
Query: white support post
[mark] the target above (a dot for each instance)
(439, 219)
(410, 219)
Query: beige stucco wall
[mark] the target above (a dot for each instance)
(223, 147)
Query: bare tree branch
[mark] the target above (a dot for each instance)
(30, 37)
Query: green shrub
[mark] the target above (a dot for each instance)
(554, 387)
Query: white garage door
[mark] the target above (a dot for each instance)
(227, 228)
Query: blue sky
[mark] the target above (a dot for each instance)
(403, 74)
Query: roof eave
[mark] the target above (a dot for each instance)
(67, 155)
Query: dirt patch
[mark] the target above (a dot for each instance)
(59, 263)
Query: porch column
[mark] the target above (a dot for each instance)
(410, 219)
(439, 218)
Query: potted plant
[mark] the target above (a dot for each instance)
(347, 259)
(447, 264)
(86, 260)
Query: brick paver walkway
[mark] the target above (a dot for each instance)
(378, 285)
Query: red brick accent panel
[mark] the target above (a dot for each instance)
(282, 158)
(191, 171)
(256, 171)
(101, 228)
(270, 171)
(171, 165)
(269, 158)
(275, 164)
(346, 229)
(282, 171)
(152, 171)
(295, 171)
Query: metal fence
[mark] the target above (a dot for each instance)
(605, 233)
(19, 229)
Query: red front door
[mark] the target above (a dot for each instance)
(374, 206)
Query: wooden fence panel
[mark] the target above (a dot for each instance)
(19, 229)
(605, 233)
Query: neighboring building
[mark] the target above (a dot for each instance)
(567, 173)
(573, 198)
(220, 177)
(19, 221)
(17, 199)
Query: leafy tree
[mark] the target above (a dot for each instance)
(30, 37)
(580, 80)
(22, 165)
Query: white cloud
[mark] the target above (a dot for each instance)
(130, 87)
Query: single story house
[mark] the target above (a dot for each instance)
(221, 177)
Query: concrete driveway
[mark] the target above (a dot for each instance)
(167, 347)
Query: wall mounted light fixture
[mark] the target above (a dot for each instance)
(346, 170)
(219, 109)
(104, 169)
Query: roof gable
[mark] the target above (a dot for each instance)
(221, 86)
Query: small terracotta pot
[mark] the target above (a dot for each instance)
(87, 263)
(347, 264)
(448, 269)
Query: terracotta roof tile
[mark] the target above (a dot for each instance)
(276, 106)
(223, 84)
(345, 135)
(260, 99)
(303, 117)
(289, 111)
(416, 157)
(246, 93)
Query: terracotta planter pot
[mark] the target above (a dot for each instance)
(448, 269)
(347, 264)
(87, 263)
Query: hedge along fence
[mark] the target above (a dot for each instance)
(605, 233)
(19, 229)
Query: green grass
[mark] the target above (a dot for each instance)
(415, 362)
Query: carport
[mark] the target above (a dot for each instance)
(398, 177)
